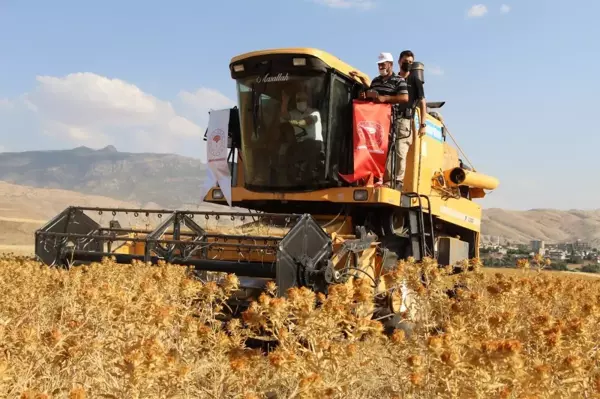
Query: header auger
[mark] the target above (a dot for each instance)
(305, 225)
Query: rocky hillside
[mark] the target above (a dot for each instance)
(166, 179)
(542, 224)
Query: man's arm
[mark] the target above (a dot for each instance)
(362, 79)
(285, 114)
(397, 99)
(401, 96)
(423, 113)
(309, 120)
(422, 105)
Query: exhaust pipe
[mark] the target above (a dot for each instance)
(462, 177)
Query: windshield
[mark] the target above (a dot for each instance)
(283, 126)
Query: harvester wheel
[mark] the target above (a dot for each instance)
(393, 222)
(397, 322)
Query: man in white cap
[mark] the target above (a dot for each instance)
(388, 88)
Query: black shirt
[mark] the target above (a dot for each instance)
(415, 93)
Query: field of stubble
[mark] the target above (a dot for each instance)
(117, 331)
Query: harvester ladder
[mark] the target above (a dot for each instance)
(422, 241)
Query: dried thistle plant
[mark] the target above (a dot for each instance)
(110, 330)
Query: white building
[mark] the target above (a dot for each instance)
(538, 247)
(557, 254)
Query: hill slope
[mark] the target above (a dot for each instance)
(173, 181)
(25, 209)
(542, 224)
(166, 179)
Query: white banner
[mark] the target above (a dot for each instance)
(216, 151)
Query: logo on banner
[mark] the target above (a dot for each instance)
(370, 141)
(371, 134)
(215, 144)
(216, 153)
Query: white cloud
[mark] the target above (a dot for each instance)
(477, 11)
(5, 103)
(93, 110)
(84, 102)
(362, 4)
(435, 70)
(505, 9)
(203, 100)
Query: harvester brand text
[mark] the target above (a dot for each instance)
(268, 79)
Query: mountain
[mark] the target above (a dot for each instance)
(173, 181)
(550, 225)
(166, 179)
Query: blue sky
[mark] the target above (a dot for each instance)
(518, 77)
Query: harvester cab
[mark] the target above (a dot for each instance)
(293, 140)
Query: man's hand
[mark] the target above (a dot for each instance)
(355, 75)
(362, 95)
(422, 131)
(372, 95)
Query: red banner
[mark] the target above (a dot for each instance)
(371, 125)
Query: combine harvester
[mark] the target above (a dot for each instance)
(314, 213)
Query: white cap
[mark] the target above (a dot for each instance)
(385, 57)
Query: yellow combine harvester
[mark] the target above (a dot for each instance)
(304, 225)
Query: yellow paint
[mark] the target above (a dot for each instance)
(461, 212)
(380, 195)
(472, 179)
(324, 56)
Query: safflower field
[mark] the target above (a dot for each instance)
(137, 331)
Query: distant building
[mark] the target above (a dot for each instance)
(577, 246)
(538, 247)
(564, 246)
(557, 254)
(580, 245)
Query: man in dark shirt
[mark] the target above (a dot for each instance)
(391, 89)
(416, 93)
(404, 115)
